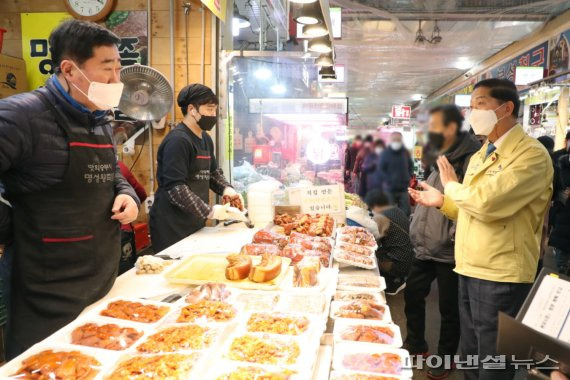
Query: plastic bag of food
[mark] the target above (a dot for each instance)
(268, 237)
(253, 249)
(106, 336)
(60, 364)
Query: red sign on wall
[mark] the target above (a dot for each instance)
(401, 112)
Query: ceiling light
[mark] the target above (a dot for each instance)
(418, 97)
(263, 73)
(278, 89)
(325, 60)
(420, 38)
(320, 45)
(303, 1)
(463, 63)
(317, 30)
(309, 14)
(435, 36)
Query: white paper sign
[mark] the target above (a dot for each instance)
(322, 199)
(549, 311)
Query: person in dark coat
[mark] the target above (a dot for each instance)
(187, 171)
(365, 151)
(371, 167)
(59, 169)
(350, 160)
(560, 235)
(432, 235)
(397, 168)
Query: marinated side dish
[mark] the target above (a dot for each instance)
(277, 324)
(268, 237)
(109, 337)
(256, 373)
(212, 310)
(356, 296)
(170, 366)
(177, 338)
(58, 365)
(371, 334)
(233, 201)
(313, 225)
(354, 258)
(264, 350)
(135, 311)
(354, 249)
(361, 310)
(387, 363)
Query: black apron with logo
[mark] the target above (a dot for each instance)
(66, 246)
(168, 223)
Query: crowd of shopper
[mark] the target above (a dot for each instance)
(484, 217)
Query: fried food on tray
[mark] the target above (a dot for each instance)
(371, 334)
(277, 324)
(210, 291)
(296, 252)
(238, 267)
(253, 249)
(268, 237)
(177, 338)
(109, 337)
(264, 350)
(212, 310)
(257, 373)
(355, 249)
(169, 366)
(268, 269)
(306, 272)
(388, 363)
(310, 244)
(283, 219)
(60, 365)
(361, 310)
(319, 239)
(355, 259)
(356, 235)
(317, 225)
(135, 311)
(354, 296)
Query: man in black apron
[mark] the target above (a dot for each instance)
(58, 165)
(187, 170)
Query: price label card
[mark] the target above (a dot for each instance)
(322, 199)
(549, 310)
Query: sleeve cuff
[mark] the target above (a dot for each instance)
(130, 194)
(451, 188)
(448, 206)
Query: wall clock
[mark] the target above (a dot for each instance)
(91, 10)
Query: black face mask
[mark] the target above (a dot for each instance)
(207, 123)
(436, 140)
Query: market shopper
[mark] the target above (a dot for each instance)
(499, 210)
(68, 197)
(360, 175)
(560, 234)
(187, 171)
(371, 167)
(350, 160)
(395, 251)
(397, 168)
(432, 236)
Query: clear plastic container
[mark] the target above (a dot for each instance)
(172, 338)
(178, 366)
(300, 325)
(382, 315)
(373, 359)
(229, 370)
(360, 261)
(144, 312)
(359, 283)
(352, 375)
(364, 332)
(344, 295)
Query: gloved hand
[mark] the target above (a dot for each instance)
(231, 192)
(225, 212)
(236, 214)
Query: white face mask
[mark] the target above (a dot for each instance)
(378, 150)
(396, 145)
(104, 95)
(483, 121)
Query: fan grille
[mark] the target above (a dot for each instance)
(147, 94)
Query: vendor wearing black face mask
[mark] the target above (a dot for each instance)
(187, 170)
(432, 237)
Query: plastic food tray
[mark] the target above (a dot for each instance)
(343, 349)
(342, 260)
(173, 317)
(371, 248)
(341, 324)
(106, 358)
(353, 375)
(325, 276)
(313, 331)
(304, 362)
(191, 373)
(64, 336)
(335, 306)
(96, 312)
(215, 332)
(352, 282)
(378, 297)
(221, 370)
(341, 244)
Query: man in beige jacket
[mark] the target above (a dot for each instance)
(499, 209)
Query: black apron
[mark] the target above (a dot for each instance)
(168, 223)
(66, 246)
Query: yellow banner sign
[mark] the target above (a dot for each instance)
(218, 7)
(36, 28)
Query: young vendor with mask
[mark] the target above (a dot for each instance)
(187, 171)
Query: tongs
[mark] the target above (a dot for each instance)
(247, 222)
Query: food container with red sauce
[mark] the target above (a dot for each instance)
(367, 331)
(372, 359)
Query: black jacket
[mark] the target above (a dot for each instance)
(430, 231)
(396, 168)
(560, 235)
(34, 150)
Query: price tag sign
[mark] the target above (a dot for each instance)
(322, 199)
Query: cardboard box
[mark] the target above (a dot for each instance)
(12, 76)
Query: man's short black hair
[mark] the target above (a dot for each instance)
(451, 114)
(201, 102)
(380, 142)
(368, 138)
(504, 91)
(376, 197)
(76, 39)
(547, 142)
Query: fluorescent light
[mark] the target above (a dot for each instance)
(278, 89)
(303, 1)
(320, 45)
(463, 63)
(235, 29)
(417, 97)
(241, 22)
(263, 73)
